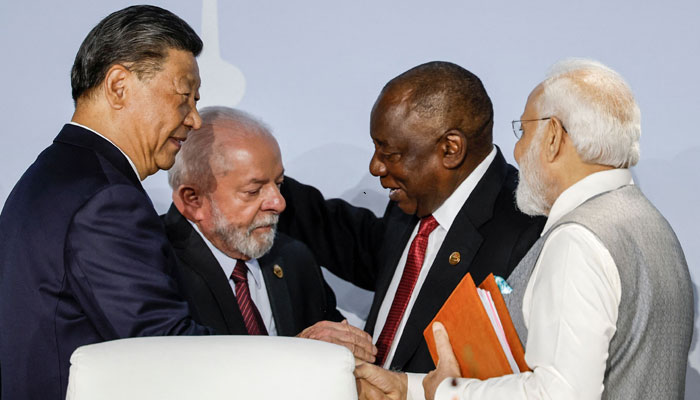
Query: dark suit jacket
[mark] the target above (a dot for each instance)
(83, 259)
(298, 299)
(489, 232)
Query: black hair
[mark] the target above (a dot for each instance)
(453, 95)
(138, 36)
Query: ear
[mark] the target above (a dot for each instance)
(190, 202)
(453, 145)
(553, 139)
(115, 86)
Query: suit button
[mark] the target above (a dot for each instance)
(454, 258)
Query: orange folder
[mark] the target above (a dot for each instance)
(472, 336)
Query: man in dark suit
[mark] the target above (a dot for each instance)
(83, 255)
(237, 274)
(452, 210)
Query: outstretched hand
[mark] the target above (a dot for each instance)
(356, 340)
(447, 366)
(376, 383)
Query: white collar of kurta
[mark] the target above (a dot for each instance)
(228, 264)
(447, 212)
(133, 166)
(584, 189)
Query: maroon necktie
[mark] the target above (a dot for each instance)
(251, 316)
(414, 262)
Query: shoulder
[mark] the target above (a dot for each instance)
(287, 247)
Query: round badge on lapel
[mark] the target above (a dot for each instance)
(277, 270)
(454, 258)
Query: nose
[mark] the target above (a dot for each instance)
(274, 202)
(193, 119)
(376, 167)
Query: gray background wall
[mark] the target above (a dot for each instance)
(312, 70)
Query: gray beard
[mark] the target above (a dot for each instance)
(530, 195)
(242, 240)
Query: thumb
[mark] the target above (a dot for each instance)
(443, 346)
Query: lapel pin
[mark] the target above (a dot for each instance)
(277, 270)
(454, 258)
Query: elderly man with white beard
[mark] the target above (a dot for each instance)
(237, 273)
(602, 301)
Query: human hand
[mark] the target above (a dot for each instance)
(376, 383)
(447, 362)
(356, 340)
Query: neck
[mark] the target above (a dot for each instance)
(466, 169)
(96, 118)
(575, 174)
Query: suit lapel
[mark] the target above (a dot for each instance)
(278, 293)
(463, 237)
(193, 251)
(397, 235)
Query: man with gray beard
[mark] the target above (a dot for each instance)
(238, 275)
(603, 300)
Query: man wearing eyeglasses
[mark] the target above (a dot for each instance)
(603, 300)
(451, 212)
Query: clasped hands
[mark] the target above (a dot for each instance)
(356, 340)
(375, 383)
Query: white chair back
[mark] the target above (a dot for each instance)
(212, 368)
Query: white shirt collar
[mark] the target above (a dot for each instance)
(228, 264)
(133, 166)
(584, 189)
(447, 212)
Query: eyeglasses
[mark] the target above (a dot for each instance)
(518, 125)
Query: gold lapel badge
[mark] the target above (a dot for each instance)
(454, 258)
(277, 270)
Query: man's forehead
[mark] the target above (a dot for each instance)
(530, 108)
(183, 68)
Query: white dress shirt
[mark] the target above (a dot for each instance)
(444, 215)
(256, 283)
(570, 307)
(133, 166)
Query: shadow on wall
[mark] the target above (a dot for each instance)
(332, 168)
(365, 194)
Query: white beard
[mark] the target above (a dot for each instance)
(242, 240)
(531, 194)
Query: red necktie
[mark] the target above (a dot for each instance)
(251, 316)
(414, 262)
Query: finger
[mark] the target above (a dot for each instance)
(367, 391)
(364, 370)
(446, 356)
(358, 351)
(347, 337)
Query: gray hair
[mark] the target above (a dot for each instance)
(597, 109)
(199, 157)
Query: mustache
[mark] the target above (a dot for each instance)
(263, 221)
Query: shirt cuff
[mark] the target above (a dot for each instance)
(449, 390)
(415, 386)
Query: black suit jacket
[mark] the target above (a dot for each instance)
(83, 259)
(489, 233)
(298, 299)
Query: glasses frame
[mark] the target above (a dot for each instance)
(518, 132)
